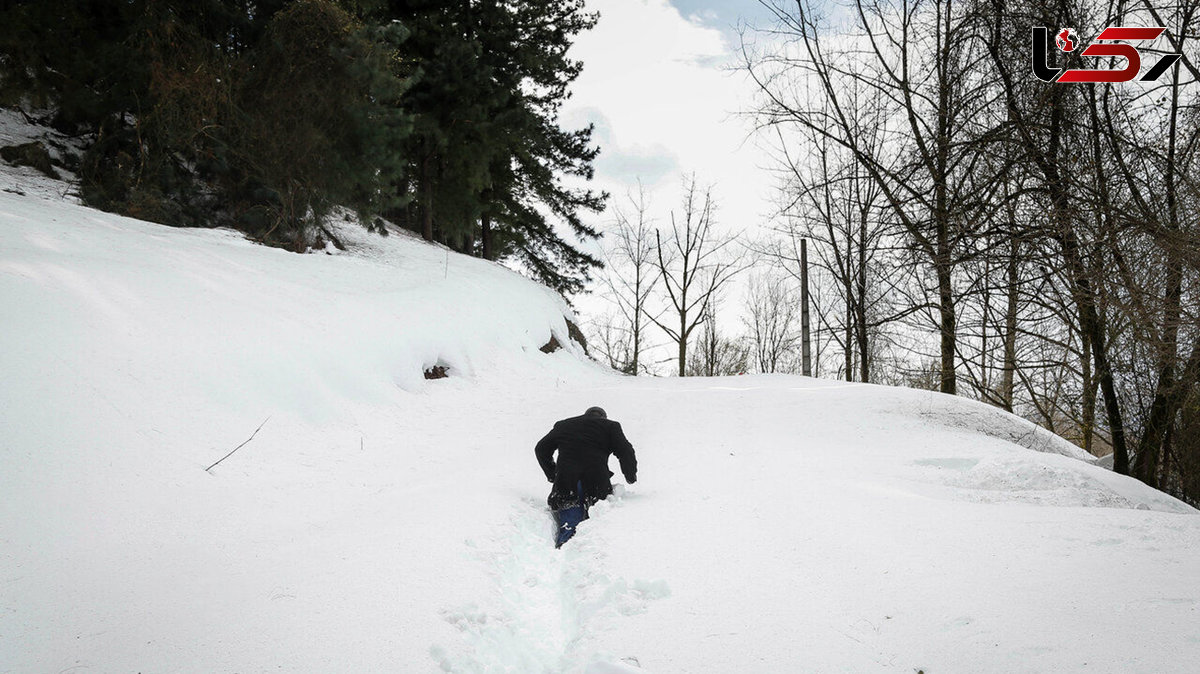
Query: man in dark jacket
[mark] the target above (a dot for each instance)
(581, 476)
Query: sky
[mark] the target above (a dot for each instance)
(659, 84)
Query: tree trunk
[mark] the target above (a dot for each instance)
(805, 347)
(1149, 448)
(860, 301)
(683, 345)
(485, 233)
(1089, 394)
(1162, 411)
(941, 214)
(1091, 324)
(846, 276)
(864, 365)
(711, 369)
(984, 355)
(637, 340)
(638, 299)
(849, 335)
(1010, 325)
(946, 310)
(427, 200)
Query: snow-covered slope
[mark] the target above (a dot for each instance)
(380, 522)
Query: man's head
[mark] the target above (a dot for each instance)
(596, 412)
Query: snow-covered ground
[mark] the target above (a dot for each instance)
(382, 522)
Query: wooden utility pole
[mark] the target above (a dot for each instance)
(806, 353)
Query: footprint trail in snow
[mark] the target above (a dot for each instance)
(547, 607)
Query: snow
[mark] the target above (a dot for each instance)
(382, 522)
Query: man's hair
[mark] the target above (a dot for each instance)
(596, 412)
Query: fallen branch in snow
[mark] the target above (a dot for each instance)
(336, 242)
(247, 441)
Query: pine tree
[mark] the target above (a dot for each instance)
(317, 122)
(534, 157)
(262, 114)
(490, 162)
(450, 100)
(266, 114)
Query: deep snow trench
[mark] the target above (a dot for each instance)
(543, 601)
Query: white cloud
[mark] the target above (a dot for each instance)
(662, 90)
(659, 89)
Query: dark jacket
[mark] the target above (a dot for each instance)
(584, 444)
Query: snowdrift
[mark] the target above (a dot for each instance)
(382, 522)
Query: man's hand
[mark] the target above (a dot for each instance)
(631, 478)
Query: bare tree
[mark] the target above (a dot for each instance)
(920, 60)
(831, 202)
(1153, 139)
(772, 321)
(1044, 122)
(611, 339)
(695, 262)
(716, 355)
(1043, 237)
(632, 275)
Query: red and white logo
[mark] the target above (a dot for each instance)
(1064, 39)
(1110, 42)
